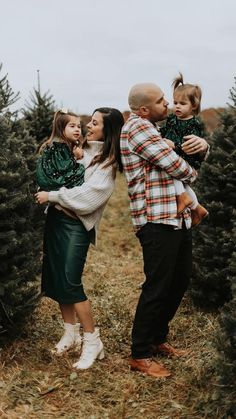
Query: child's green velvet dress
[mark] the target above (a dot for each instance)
(57, 167)
(175, 129)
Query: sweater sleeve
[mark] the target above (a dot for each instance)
(88, 197)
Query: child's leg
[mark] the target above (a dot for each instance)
(179, 187)
(183, 199)
(198, 212)
(193, 196)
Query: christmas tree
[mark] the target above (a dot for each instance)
(216, 190)
(34, 128)
(20, 248)
(226, 345)
(38, 115)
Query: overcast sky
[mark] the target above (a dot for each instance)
(90, 52)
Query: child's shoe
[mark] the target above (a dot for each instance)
(184, 200)
(198, 214)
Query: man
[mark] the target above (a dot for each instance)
(150, 165)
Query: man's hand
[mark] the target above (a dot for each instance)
(170, 143)
(194, 144)
(41, 197)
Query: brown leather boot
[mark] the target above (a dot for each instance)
(168, 350)
(198, 214)
(184, 200)
(150, 367)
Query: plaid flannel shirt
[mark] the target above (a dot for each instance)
(150, 166)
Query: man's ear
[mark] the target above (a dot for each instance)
(144, 111)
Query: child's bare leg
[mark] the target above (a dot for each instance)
(183, 199)
(198, 212)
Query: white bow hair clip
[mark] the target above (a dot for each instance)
(63, 110)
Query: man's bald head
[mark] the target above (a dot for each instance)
(142, 94)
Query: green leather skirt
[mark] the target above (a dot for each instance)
(66, 243)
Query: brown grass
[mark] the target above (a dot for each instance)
(34, 384)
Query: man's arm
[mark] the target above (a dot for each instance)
(145, 141)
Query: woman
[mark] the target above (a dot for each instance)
(67, 238)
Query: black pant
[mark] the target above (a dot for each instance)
(167, 255)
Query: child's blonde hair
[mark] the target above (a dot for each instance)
(60, 120)
(191, 91)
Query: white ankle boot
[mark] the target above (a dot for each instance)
(77, 338)
(92, 349)
(70, 338)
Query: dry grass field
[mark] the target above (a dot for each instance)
(35, 384)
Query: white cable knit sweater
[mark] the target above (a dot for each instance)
(88, 200)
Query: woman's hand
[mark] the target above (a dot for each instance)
(78, 153)
(194, 144)
(41, 197)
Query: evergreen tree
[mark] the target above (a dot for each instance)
(7, 96)
(226, 345)
(216, 189)
(214, 279)
(233, 94)
(34, 128)
(20, 249)
(38, 115)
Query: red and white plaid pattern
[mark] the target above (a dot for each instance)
(150, 166)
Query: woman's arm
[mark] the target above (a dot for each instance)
(88, 197)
